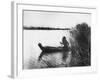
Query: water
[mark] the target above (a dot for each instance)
(45, 37)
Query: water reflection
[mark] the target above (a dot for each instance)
(55, 59)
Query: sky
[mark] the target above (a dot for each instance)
(54, 19)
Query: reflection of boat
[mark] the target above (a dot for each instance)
(50, 49)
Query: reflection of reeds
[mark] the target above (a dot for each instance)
(47, 61)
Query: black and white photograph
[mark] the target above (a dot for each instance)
(56, 39)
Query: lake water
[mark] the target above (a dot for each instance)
(31, 39)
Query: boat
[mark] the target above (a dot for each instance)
(50, 49)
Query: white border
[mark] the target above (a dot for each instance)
(17, 41)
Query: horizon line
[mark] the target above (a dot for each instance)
(44, 28)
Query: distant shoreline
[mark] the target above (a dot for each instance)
(44, 28)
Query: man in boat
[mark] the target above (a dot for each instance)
(65, 44)
(65, 47)
(49, 49)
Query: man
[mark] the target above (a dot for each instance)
(65, 48)
(65, 44)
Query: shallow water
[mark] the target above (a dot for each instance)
(46, 38)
